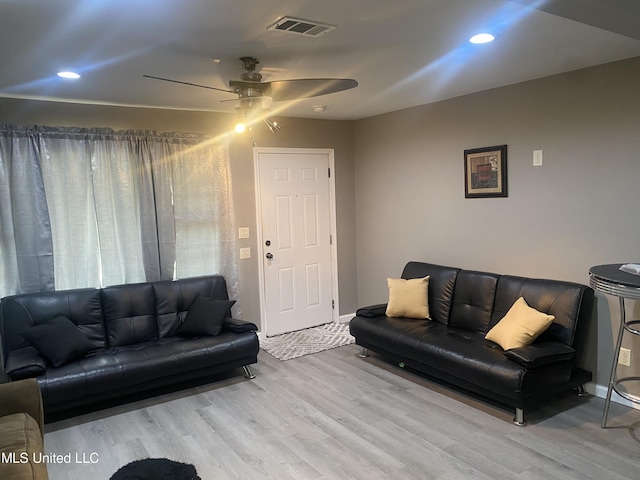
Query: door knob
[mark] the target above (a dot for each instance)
(269, 256)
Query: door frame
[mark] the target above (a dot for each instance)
(332, 221)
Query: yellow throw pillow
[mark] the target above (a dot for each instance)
(408, 298)
(520, 326)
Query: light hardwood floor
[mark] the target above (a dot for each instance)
(334, 415)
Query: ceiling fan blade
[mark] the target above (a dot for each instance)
(187, 83)
(283, 90)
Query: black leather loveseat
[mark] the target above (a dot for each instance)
(451, 345)
(132, 338)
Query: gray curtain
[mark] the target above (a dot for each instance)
(159, 235)
(26, 245)
(105, 207)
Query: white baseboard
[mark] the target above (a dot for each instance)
(600, 391)
(346, 318)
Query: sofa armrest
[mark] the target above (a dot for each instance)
(236, 325)
(371, 311)
(22, 396)
(25, 363)
(539, 354)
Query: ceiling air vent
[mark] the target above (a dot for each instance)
(300, 26)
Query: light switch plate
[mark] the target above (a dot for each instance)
(243, 232)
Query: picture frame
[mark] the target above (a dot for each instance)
(485, 172)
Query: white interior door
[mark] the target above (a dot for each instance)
(296, 231)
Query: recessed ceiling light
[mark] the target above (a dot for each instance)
(68, 75)
(482, 38)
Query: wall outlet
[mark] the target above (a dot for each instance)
(625, 357)
(537, 158)
(245, 253)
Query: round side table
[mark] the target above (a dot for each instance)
(609, 279)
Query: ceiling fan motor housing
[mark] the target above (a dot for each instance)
(246, 89)
(251, 77)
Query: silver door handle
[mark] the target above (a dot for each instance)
(269, 256)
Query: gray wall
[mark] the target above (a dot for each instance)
(400, 190)
(579, 209)
(338, 135)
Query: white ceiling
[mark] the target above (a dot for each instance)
(402, 52)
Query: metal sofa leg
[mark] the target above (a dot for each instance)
(247, 372)
(519, 419)
(582, 392)
(364, 353)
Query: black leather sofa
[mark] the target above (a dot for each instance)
(136, 336)
(451, 346)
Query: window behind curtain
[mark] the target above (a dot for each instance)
(126, 206)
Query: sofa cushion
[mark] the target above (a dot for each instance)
(82, 306)
(440, 347)
(59, 340)
(458, 356)
(133, 368)
(21, 436)
(205, 316)
(520, 326)
(408, 298)
(129, 313)
(473, 300)
(561, 299)
(173, 298)
(442, 281)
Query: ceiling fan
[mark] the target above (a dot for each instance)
(254, 94)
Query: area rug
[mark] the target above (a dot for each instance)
(308, 341)
(156, 469)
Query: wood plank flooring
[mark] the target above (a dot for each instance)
(333, 415)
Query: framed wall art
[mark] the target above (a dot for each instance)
(485, 172)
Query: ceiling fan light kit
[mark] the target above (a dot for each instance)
(273, 125)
